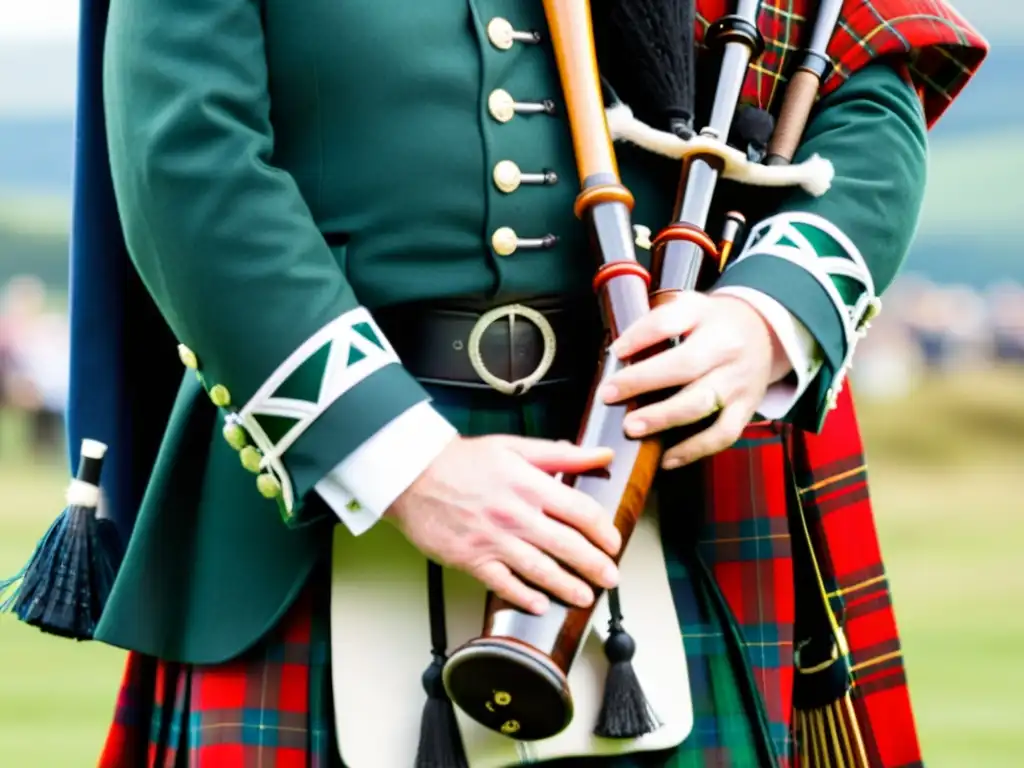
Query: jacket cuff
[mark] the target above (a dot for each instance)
(337, 390)
(799, 346)
(362, 487)
(810, 267)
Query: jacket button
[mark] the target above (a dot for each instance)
(250, 458)
(268, 486)
(220, 396)
(504, 241)
(235, 436)
(188, 357)
(501, 105)
(507, 176)
(501, 34)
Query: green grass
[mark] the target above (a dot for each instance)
(947, 499)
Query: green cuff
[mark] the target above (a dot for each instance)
(350, 421)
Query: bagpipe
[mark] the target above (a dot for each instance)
(513, 678)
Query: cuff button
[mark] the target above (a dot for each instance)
(220, 396)
(268, 486)
(250, 458)
(235, 436)
(188, 357)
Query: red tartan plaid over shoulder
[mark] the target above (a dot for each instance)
(942, 50)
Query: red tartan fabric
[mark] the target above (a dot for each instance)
(746, 536)
(253, 711)
(942, 50)
(832, 477)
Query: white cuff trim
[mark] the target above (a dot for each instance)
(814, 175)
(799, 345)
(777, 236)
(362, 487)
(358, 349)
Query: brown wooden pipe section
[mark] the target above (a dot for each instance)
(572, 33)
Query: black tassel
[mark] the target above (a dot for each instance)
(65, 585)
(625, 711)
(646, 50)
(440, 742)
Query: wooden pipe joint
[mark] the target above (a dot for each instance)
(688, 233)
(602, 193)
(615, 269)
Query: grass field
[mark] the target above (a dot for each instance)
(946, 470)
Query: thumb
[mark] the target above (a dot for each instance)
(560, 455)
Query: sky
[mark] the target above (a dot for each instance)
(30, 20)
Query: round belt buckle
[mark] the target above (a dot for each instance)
(512, 311)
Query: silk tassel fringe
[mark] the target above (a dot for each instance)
(625, 711)
(64, 587)
(830, 737)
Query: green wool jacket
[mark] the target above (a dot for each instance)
(276, 167)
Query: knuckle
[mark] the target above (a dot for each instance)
(503, 518)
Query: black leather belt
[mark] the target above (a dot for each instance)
(511, 348)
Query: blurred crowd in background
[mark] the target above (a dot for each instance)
(927, 328)
(34, 360)
(923, 328)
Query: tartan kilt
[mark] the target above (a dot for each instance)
(729, 557)
(272, 706)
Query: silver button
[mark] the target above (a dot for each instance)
(504, 241)
(508, 177)
(503, 36)
(501, 105)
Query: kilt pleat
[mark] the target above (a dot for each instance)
(266, 709)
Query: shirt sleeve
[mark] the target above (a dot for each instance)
(362, 487)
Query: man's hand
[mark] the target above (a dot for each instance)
(726, 362)
(490, 507)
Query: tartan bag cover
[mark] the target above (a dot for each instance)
(745, 532)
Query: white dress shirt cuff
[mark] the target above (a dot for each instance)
(362, 487)
(800, 346)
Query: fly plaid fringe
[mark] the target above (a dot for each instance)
(831, 737)
(825, 725)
